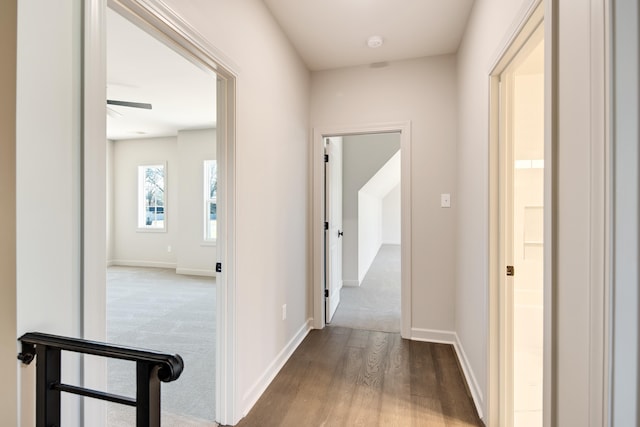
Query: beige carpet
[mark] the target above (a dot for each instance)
(375, 304)
(157, 309)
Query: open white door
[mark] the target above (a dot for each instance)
(333, 225)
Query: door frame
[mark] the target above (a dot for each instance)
(498, 361)
(599, 286)
(155, 17)
(317, 159)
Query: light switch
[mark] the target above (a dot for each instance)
(445, 200)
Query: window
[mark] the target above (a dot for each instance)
(151, 197)
(210, 199)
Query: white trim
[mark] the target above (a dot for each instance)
(94, 204)
(351, 283)
(527, 21)
(512, 35)
(258, 388)
(157, 17)
(472, 383)
(141, 263)
(599, 216)
(450, 337)
(317, 159)
(433, 335)
(549, 376)
(196, 272)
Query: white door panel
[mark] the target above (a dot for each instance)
(333, 216)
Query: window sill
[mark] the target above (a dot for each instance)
(151, 230)
(211, 243)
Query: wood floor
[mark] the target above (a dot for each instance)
(349, 377)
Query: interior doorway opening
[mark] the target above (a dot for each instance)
(519, 216)
(363, 237)
(161, 218)
(215, 212)
(325, 237)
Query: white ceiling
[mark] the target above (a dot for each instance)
(333, 33)
(326, 33)
(142, 69)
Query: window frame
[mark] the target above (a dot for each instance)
(141, 209)
(207, 201)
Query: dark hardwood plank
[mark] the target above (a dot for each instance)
(345, 377)
(396, 391)
(367, 395)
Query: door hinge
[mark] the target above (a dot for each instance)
(218, 267)
(326, 293)
(326, 225)
(510, 270)
(326, 158)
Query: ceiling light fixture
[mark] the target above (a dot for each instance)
(374, 42)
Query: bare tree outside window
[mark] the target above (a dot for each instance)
(151, 181)
(211, 199)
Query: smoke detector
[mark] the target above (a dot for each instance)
(374, 42)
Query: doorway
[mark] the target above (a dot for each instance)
(363, 196)
(324, 284)
(164, 26)
(518, 249)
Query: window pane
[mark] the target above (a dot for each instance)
(212, 231)
(210, 198)
(212, 167)
(152, 196)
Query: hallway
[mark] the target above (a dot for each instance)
(345, 377)
(375, 304)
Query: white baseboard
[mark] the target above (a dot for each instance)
(433, 335)
(196, 272)
(258, 388)
(110, 263)
(450, 337)
(476, 391)
(351, 283)
(140, 263)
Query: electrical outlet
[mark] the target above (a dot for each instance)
(445, 200)
(284, 311)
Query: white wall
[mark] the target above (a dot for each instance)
(131, 246)
(424, 92)
(111, 211)
(184, 156)
(391, 209)
(8, 347)
(362, 157)
(193, 255)
(272, 183)
(48, 181)
(488, 27)
(369, 231)
(371, 199)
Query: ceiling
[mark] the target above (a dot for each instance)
(326, 33)
(333, 33)
(142, 69)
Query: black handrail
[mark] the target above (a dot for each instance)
(151, 368)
